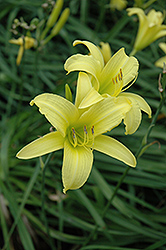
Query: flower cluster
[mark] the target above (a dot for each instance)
(100, 105)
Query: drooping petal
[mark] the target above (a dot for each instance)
(77, 165)
(83, 87)
(44, 145)
(132, 118)
(94, 50)
(105, 115)
(141, 102)
(84, 63)
(119, 62)
(58, 111)
(115, 149)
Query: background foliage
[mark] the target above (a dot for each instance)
(34, 214)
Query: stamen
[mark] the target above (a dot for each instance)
(121, 75)
(116, 79)
(85, 130)
(113, 81)
(74, 137)
(85, 135)
(92, 130)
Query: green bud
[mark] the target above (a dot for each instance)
(34, 21)
(68, 93)
(62, 20)
(55, 13)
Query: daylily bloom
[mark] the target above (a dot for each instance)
(79, 133)
(160, 62)
(25, 43)
(150, 27)
(111, 79)
(118, 4)
(105, 50)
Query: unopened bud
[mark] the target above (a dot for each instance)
(55, 13)
(62, 20)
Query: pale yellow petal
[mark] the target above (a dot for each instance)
(160, 62)
(77, 165)
(115, 149)
(94, 51)
(109, 78)
(44, 145)
(84, 63)
(163, 47)
(83, 87)
(91, 98)
(106, 51)
(133, 118)
(105, 115)
(143, 105)
(58, 111)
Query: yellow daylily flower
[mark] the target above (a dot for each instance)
(150, 27)
(105, 49)
(79, 133)
(110, 79)
(24, 43)
(118, 4)
(160, 62)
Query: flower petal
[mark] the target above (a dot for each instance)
(115, 149)
(94, 50)
(133, 118)
(58, 111)
(119, 61)
(77, 165)
(84, 63)
(160, 62)
(105, 115)
(86, 95)
(44, 145)
(141, 102)
(83, 87)
(163, 47)
(91, 98)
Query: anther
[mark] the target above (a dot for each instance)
(85, 129)
(121, 75)
(92, 130)
(73, 133)
(113, 81)
(74, 137)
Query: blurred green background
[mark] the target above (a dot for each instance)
(34, 214)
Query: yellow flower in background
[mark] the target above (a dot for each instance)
(105, 49)
(111, 79)
(118, 4)
(79, 133)
(24, 43)
(150, 27)
(160, 62)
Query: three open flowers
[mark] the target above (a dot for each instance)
(100, 105)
